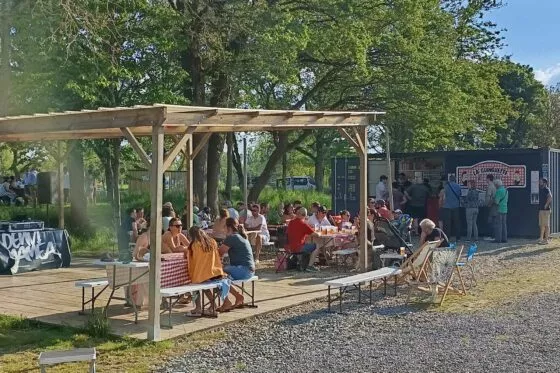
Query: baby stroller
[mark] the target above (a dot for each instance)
(388, 235)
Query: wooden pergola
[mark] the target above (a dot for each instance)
(181, 122)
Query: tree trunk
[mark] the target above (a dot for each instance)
(283, 147)
(229, 165)
(78, 200)
(238, 164)
(320, 158)
(5, 69)
(215, 148)
(284, 169)
(199, 172)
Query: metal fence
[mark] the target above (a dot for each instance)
(139, 181)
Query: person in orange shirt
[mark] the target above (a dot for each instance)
(204, 263)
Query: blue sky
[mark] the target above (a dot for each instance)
(532, 36)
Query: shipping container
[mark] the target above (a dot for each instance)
(519, 169)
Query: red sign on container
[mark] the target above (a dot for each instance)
(511, 176)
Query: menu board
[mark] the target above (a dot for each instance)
(352, 181)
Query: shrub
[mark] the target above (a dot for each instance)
(97, 325)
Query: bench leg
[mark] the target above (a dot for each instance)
(253, 294)
(359, 293)
(83, 301)
(92, 300)
(329, 298)
(370, 291)
(43, 369)
(385, 286)
(340, 299)
(92, 366)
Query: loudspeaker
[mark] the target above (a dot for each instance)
(46, 187)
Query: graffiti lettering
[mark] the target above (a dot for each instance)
(27, 246)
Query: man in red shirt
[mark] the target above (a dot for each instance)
(298, 231)
(383, 210)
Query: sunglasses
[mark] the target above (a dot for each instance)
(177, 225)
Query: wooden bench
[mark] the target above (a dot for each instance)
(356, 281)
(240, 284)
(58, 357)
(91, 284)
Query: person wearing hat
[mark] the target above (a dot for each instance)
(319, 218)
(545, 203)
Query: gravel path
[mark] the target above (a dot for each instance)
(392, 337)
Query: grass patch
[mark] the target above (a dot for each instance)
(521, 279)
(22, 340)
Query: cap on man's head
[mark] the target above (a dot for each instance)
(398, 211)
(322, 209)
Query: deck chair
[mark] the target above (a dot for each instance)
(454, 270)
(417, 264)
(468, 262)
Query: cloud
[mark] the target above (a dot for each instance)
(549, 76)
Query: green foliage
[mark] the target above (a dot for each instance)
(97, 325)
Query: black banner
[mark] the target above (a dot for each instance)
(28, 251)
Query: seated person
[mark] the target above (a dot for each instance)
(256, 222)
(204, 217)
(403, 223)
(319, 218)
(219, 229)
(242, 265)
(174, 241)
(345, 222)
(142, 246)
(382, 210)
(431, 233)
(140, 219)
(288, 213)
(204, 264)
(167, 213)
(298, 232)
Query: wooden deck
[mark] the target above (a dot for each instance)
(50, 296)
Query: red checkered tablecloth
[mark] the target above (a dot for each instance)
(174, 270)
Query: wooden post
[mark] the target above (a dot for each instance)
(389, 169)
(245, 186)
(60, 184)
(156, 193)
(189, 193)
(363, 154)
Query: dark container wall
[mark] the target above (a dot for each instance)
(522, 215)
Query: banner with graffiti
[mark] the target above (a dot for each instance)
(513, 176)
(31, 250)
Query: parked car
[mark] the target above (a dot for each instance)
(298, 183)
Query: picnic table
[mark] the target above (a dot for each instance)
(133, 275)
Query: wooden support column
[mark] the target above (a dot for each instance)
(156, 194)
(362, 141)
(189, 193)
(60, 184)
(389, 168)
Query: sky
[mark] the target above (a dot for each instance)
(532, 35)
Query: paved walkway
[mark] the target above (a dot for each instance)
(50, 296)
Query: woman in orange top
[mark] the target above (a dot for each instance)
(204, 262)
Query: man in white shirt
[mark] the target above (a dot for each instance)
(319, 218)
(381, 189)
(257, 222)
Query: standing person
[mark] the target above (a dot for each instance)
(471, 211)
(441, 201)
(501, 199)
(398, 197)
(545, 201)
(403, 182)
(451, 204)
(491, 203)
(66, 185)
(242, 265)
(416, 197)
(381, 191)
(256, 221)
(30, 182)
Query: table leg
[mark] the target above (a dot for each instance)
(329, 299)
(370, 291)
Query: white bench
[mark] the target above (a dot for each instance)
(168, 294)
(356, 281)
(59, 357)
(91, 284)
(240, 284)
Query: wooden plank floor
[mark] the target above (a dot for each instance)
(50, 296)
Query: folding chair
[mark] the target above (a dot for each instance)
(449, 281)
(416, 265)
(468, 262)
